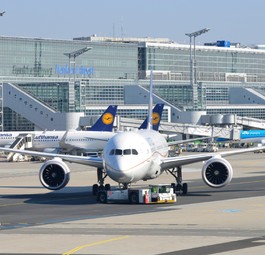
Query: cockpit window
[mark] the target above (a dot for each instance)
(134, 152)
(118, 152)
(123, 152)
(127, 152)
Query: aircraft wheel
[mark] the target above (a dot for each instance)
(178, 188)
(107, 186)
(102, 197)
(95, 189)
(185, 188)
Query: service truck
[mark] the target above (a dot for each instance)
(161, 193)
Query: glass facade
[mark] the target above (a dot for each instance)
(258, 112)
(41, 67)
(24, 57)
(212, 63)
(55, 95)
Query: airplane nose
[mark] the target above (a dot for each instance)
(119, 170)
(122, 165)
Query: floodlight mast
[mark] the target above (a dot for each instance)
(193, 67)
(1, 98)
(76, 53)
(73, 55)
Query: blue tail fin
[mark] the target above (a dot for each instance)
(156, 117)
(106, 120)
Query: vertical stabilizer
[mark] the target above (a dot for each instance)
(156, 117)
(106, 120)
(150, 106)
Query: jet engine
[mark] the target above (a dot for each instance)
(217, 172)
(54, 174)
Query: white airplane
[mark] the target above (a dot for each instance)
(72, 141)
(132, 156)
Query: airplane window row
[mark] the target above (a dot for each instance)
(123, 152)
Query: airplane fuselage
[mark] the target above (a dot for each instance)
(49, 141)
(133, 156)
(252, 135)
(248, 136)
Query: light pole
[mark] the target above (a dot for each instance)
(193, 71)
(1, 97)
(73, 55)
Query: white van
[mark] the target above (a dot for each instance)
(191, 147)
(202, 147)
(212, 147)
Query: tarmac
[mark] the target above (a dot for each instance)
(230, 226)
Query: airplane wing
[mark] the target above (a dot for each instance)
(89, 161)
(172, 162)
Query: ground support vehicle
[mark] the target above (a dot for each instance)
(212, 147)
(154, 194)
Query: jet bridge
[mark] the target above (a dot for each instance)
(252, 123)
(232, 133)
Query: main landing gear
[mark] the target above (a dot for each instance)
(179, 187)
(97, 188)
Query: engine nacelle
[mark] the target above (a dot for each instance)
(217, 172)
(54, 174)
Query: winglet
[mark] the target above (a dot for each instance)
(106, 120)
(156, 117)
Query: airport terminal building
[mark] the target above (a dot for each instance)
(87, 74)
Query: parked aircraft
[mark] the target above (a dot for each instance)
(252, 136)
(132, 156)
(71, 141)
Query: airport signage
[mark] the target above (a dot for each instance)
(79, 70)
(31, 71)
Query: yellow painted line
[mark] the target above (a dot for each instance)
(93, 244)
(259, 205)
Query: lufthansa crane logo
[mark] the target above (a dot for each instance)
(155, 118)
(107, 118)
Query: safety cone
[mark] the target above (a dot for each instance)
(146, 198)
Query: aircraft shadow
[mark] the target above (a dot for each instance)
(67, 196)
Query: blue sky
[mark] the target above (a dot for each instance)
(233, 20)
